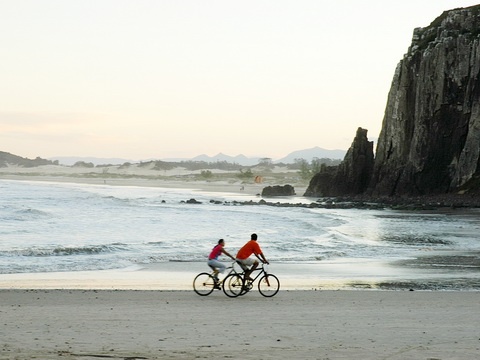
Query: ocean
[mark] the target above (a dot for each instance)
(48, 227)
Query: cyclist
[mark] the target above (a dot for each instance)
(243, 256)
(213, 262)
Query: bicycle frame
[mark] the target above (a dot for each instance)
(261, 271)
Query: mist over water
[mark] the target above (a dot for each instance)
(52, 227)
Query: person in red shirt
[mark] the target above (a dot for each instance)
(243, 256)
(213, 262)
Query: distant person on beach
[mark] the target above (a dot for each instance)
(213, 262)
(243, 256)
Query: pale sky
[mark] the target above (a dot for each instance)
(142, 79)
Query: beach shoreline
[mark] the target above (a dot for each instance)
(344, 273)
(178, 276)
(214, 186)
(232, 185)
(339, 274)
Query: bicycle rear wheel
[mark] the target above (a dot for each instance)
(268, 285)
(233, 285)
(203, 284)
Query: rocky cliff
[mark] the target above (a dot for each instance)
(352, 176)
(430, 138)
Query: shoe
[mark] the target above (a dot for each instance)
(217, 287)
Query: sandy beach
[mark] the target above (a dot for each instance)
(152, 312)
(92, 315)
(76, 324)
(222, 181)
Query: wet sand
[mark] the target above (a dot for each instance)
(340, 274)
(322, 275)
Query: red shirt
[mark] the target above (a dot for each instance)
(248, 249)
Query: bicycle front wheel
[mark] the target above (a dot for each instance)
(233, 285)
(268, 285)
(203, 284)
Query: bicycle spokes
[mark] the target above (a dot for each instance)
(268, 285)
(203, 284)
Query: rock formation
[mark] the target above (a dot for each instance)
(277, 190)
(430, 138)
(352, 176)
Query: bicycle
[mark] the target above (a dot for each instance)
(204, 283)
(234, 284)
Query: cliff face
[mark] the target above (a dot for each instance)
(430, 137)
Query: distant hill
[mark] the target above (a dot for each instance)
(310, 154)
(10, 159)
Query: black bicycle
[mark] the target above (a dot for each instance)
(235, 284)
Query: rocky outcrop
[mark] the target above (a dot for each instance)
(277, 190)
(352, 176)
(323, 184)
(430, 137)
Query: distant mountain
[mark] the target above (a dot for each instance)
(307, 154)
(310, 154)
(70, 160)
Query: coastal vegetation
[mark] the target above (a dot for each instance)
(299, 172)
(9, 159)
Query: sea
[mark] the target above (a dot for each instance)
(52, 227)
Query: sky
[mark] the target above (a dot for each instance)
(162, 79)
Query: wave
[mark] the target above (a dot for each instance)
(60, 264)
(156, 243)
(29, 214)
(66, 250)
